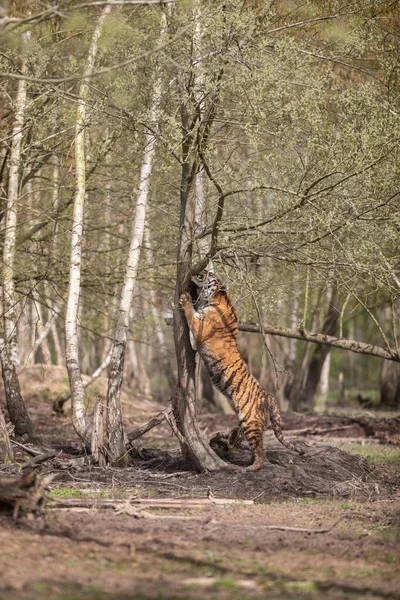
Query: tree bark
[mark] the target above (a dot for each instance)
(195, 449)
(71, 333)
(43, 330)
(98, 431)
(115, 434)
(323, 385)
(8, 453)
(322, 397)
(389, 386)
(16, 408)
(292, 354)
(306, 395)
(9, 347)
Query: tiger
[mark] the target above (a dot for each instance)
(213, 323)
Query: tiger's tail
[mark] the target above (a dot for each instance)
(275, 418)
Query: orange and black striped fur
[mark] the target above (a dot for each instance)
(214, 325)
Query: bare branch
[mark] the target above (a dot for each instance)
(319, 338)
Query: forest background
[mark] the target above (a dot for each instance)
(141, 140)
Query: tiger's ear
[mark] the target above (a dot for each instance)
(223, 288)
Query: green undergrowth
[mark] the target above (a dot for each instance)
(380, 455)
(139, 491)
(67, 493)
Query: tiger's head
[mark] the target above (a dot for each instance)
(207, 285)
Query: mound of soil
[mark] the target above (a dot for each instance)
(320, 472)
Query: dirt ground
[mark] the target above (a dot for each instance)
(340, 501)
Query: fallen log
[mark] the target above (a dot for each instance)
(148, 502)
(39, 459)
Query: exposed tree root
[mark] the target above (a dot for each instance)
(26, 492)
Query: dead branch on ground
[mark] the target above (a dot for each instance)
(154, 421)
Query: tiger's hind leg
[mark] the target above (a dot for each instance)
(254, 434)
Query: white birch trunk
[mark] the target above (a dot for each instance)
(59, 358)
(57, 345)
(9, 314)
(41, 332)
(71, 332)
(7, 454)
(199, 196)
(322, 397)
(115, 434)
(16, 407)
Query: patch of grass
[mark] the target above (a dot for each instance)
(391, 558)
(73, 591)
(380, 455)
(67, 493)
(346, 505)
(227, 583)
(302, 586)
(310, 501)
(368, 572)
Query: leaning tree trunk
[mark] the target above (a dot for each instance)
(195, 448)
(305, 399)
(115, 433)
(9, 350)
(71, 332)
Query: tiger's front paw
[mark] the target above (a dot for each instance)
(185, 300)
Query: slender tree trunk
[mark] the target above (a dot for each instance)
(59, 353)
(9, 351)
(307, 393)
(42, 331)
(16, 408)
(71, 332)
(195, 449)
(322, 396)
(6, 454)
(59, 361)
(24, 332)
(115, 434)
(389, 386)
(291, 362)
(323, 386)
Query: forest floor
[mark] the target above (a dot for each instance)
(338, 507)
